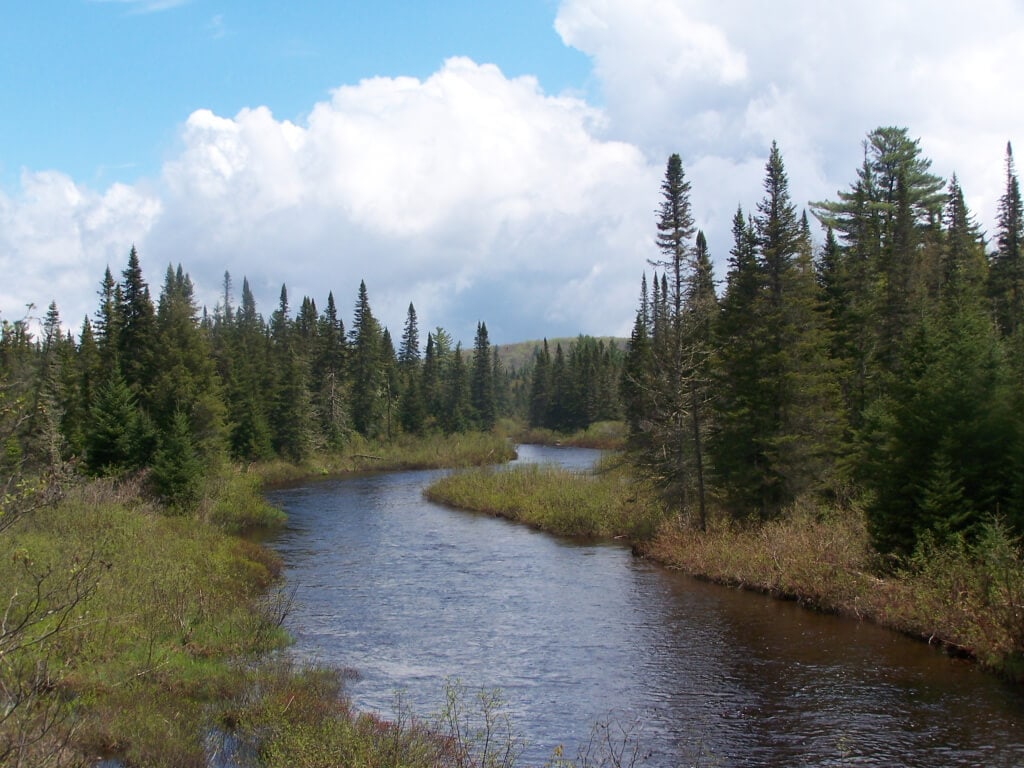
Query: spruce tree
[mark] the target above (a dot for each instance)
(1006, 277)
(936, 446)
(367, 381)
(482, 381)
(742, 408)
(136, 332)
(185, 376)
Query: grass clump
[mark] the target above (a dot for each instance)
(402, 453)
(604, 503)
(602, 435)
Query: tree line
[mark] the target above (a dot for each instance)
(174, 389)
(885, 365)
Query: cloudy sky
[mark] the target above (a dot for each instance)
(486, 160)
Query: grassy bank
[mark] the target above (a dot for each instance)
(126, 629)
(967, 598)
(603, 435)
(603, 504)
(130, 630)
(403, 453)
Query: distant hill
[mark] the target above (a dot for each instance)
(516, 356)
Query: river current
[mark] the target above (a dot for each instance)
(410, 594)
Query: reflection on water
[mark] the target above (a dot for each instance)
(409, 594)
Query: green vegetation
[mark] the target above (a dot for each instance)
(126, 629)
(560, 501)
(870, 371)
(966, 597)
(602, 435)
(843, 426)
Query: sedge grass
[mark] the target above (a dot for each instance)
(553, 499)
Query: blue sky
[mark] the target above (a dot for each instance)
(494, 161)
(99, 87)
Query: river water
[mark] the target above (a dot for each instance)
(410, 594)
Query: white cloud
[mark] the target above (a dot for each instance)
(432, 191)
(57, 237)
(479, 196)
(719, 81)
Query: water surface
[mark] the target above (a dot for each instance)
(410, 593)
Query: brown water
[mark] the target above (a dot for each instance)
(409, 594)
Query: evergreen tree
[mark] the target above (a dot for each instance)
(329, 383)
(177, 472)
(482, 381)
(457, 407)
(1006, 277)
(185, 375)
(289, 415)
(112, 438)
(541, 395)
(636, 371)
(409, 353)
(136, 331)
(367, 381)
(742, 408)
(936, 447)
(885, 225)
(664, 449)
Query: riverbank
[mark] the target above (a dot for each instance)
(134, 633)
(967, 598)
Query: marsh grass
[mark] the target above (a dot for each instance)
(603, 435)
(965, 597)
(603, 503)
(403, 453)
(168, 608)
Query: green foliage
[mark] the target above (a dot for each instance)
(177, 473)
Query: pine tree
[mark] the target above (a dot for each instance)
(328, 382)
(664, 449)
(885, 225)
(541, 395)
(936, 446)
(289, 414)
(409, 353)
(367, 382)
(136, 331)
(482, 381)
(185, 377)
(112, 438)
(741, 409)
(243, 364)
(177, 472)
(1006, 277)
(456, 415)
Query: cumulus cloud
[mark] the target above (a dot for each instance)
(718, 82)
(464, 191)
(481, 197)
(56, 238)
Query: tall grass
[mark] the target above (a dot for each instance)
(603, 435)
(403, 453)
(605, 503)
(966, 597)
(165, 611)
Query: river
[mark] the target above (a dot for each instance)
(409, 594)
